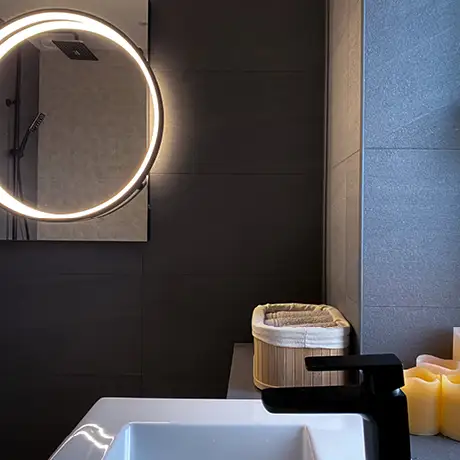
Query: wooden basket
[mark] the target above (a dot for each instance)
(276, 365)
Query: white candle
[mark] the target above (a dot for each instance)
(456, 351)
(423, 392)
(438, 366)
(450, 406)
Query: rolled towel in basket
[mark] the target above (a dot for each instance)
(300, 326)
(299, 318)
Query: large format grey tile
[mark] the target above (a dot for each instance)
(344, 80)
(235, 224)
(61, 325)
(353, 226)
(411, 91)
(343, 238)
(188, 353)
(409, 331)
(233, 35)
(243, 122)
(354, 79)
(336, 235)
(393, 26)
(411, 232)
(339, 144)
(338, 22)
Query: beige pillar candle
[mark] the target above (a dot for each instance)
(438, 365)
(450, 406)
(423, 392)
(456, 351)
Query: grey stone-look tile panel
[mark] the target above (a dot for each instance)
(409, 331)
(412, 83)
(411, 228)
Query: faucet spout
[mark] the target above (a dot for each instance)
(315, 400)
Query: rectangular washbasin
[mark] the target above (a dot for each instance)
(147, 441)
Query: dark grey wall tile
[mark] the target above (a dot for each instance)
(257, 122)
(235, 224)
(236, 35)
(411, 231)
(188, 353)
(176, 153)
(409, 331)
(253, 122)
(49, 408)
(72, 325)
(23, 259)
(411, 91)
(60, 398)
(242, 122)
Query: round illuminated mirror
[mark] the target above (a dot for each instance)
(84, 117)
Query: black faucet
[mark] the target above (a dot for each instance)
(378, 398)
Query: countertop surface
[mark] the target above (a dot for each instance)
(241, 387)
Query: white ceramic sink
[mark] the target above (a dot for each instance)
(207, 442)
(149, 429)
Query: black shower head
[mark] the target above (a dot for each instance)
(32, 128)
(37, 122)
(75, 50)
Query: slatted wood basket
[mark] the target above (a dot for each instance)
(284, 334)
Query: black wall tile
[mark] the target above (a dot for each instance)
(235, 224)
(40, 411)
(53, 258)
(177, 150)
(256, 122)
(240, 35)
(72, 325)
(191, 323)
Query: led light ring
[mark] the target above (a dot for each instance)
(25, 27)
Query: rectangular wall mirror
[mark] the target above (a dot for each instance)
(74, 124)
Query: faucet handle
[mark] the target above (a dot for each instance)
(380, 373)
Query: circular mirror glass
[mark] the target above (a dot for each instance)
(76, 117)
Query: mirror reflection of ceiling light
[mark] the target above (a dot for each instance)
(16, 31)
